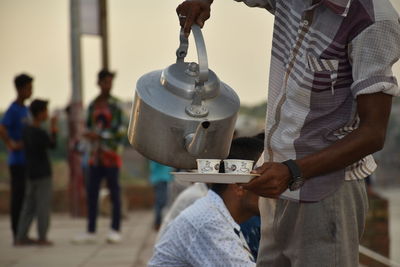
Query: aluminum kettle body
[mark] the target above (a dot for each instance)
(175, 121)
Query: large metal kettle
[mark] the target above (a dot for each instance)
(183, 112)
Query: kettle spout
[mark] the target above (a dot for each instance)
(195, 143)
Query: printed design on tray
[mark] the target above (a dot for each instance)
(207, 167)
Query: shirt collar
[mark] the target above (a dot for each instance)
(219, 204)
(110, 100)
(340, 7)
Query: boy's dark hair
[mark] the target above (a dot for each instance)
(260, 136)
(21, 80)
(38, 106)
(246, 148)
(104, 73)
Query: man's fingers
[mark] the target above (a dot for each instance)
(262, 168)
(252, 184)
(191, 12)
(257, 183)
(259, 180)
(205, 15)
(189, 21)
(187, 15)
(179, 11)
(182, 22)
(182, 11)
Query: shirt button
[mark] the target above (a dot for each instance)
(305, 22)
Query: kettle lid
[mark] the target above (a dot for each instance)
(181, 78)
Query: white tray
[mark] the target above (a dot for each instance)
(216, 178)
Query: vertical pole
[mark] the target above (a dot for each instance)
(76, 52)
(104, 33)
(75, 122)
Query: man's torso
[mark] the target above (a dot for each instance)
(104, 118)
(313, 82)
(14, 120)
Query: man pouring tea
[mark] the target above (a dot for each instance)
(329, 99)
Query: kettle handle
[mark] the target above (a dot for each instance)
(201, 52)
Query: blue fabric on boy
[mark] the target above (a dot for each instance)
(14, 120)
(159, 173)
(252, 234)
(159, 178)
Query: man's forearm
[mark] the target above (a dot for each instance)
(346, 151)
(374, 112)
(4, 135)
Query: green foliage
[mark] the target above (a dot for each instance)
(257, 111)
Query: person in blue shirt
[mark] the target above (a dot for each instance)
(11, 126)
(160, 176)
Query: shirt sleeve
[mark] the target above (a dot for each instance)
(212, 248)
(267, 4)
(372, 54)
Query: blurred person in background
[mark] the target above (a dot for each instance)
(105, 131)
(37, 203)
(160, 176)
(12, 124)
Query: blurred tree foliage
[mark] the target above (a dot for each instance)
(257, 111)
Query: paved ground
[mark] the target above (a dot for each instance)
(134, 251)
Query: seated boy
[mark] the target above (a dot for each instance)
(208, 233)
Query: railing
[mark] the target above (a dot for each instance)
(378, 257)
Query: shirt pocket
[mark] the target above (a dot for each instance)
(316, 64)
(324, 71)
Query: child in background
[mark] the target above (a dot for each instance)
(38, 194)
(160, 176)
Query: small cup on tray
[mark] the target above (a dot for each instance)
(208, 165)
(238, 166)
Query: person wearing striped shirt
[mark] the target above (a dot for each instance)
(329, 99)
